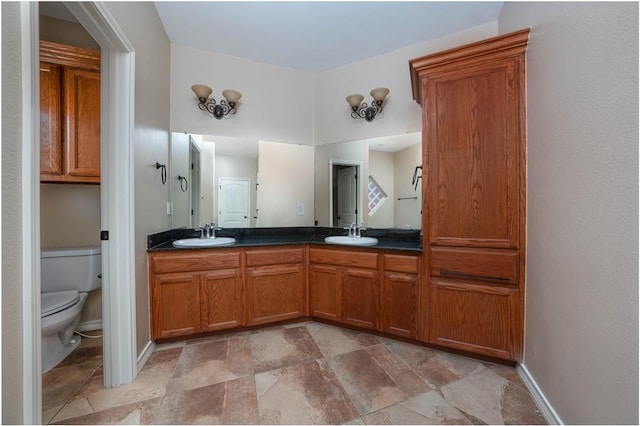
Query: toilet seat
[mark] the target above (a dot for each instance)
(52, 303)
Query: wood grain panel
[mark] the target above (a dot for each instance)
(70, 56)
(473, 196)
(276, 293)
(361, 298)
(325, 292)
(194, 260)
(341, 257)
(475, 318)
(50, 120)
(264, 257)
(400, 263)
(400, 304)
(222, 301)
(485, 264)
(175, 307)
(507, 45)
(82, 129)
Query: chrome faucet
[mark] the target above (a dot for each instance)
(209, 230)
(358, 231)
(351, 230)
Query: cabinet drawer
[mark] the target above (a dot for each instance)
(162, 263)
(275, 257)
(483, 264)
(344, 258)
(396, 263)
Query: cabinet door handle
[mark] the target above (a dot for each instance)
(484, 277)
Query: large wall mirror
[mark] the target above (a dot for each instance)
(375, 182)
(237, 182)
(240, 183)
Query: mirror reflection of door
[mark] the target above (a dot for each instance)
(233, 203)
(345, 209)
(194, 175)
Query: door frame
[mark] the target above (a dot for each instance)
(360, 189)
(117, 106)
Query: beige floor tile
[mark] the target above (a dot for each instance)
(150, 383)
(279, 347)
(433, 407)
(335, 340)
(479, 395)
(368, 385)
(518, 407)
(435, 367)
(139, 413)
(305, 393)
(232, 402)
(212, 362)
(60, 384)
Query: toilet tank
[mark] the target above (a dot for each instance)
(70, 269)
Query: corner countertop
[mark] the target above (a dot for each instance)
(388, 239)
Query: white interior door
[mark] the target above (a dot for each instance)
(347, 196)
(233, 203)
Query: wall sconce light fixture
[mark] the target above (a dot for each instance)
(218, 110)
(360, 109)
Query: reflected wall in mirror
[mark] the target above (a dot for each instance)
(222, 184)
(387, 195)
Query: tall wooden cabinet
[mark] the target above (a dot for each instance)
(473, 101)
(69, 114)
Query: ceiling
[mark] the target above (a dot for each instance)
(311, 36)
(316, 36)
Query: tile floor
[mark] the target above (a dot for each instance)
(306, 373)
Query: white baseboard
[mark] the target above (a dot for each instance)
(145, 354)
(541, 401)
(90, 325)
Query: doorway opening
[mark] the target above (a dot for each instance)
(345, 198)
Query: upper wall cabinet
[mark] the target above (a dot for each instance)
(69, 114)
(473, 117)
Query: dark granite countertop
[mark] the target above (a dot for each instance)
(388, 239)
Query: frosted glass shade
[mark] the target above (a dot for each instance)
(202, 91)
(379, 94)
(232, 96)
(355, 100)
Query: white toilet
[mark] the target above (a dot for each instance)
(67, 277)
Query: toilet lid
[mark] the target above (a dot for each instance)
(50, 303)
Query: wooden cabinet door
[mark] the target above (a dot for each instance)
(175, 305)
(275, 293)
(399, 303)
(222, 304)
(360, 298)
(325, 292)
(50, 121)
(472, 129)
(475, 317)
(82, 115)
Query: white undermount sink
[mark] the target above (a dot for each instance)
(351, 241)
(204, 242)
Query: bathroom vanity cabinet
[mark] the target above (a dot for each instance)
(69, 114)
(473, 101)
(195, 292)
(276, 284)
(345, 286)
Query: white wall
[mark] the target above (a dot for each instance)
(285, 178)
(141, 25)
(333, 122)
(13, 366)
(179, 147)
(581, 343)
(276, 102)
